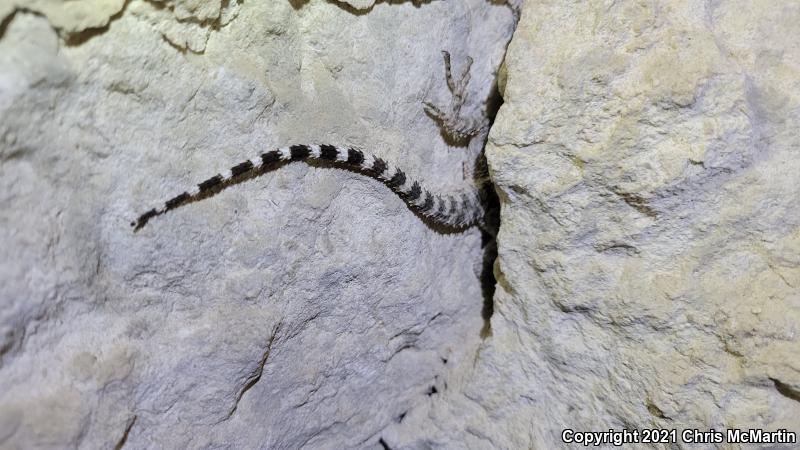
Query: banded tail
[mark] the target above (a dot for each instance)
(452, 211)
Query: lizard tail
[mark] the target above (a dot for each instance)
(452, 211)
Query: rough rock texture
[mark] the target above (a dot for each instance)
(305, 308)
(68, 17)
(648, 159)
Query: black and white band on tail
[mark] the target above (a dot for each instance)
(453, 211)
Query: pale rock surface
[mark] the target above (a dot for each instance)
(648, 159)
(68, 17)
(648, 273)
(307, 308)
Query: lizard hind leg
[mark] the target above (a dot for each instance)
(454, 126)
(458, 88)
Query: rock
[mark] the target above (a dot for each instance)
(68, 17)
(307, 307)
(648, 271)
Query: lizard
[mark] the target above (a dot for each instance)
(457, 211)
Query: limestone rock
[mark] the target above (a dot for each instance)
(186, 24)
(648, 271)
(307, 307)
(68, 17)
